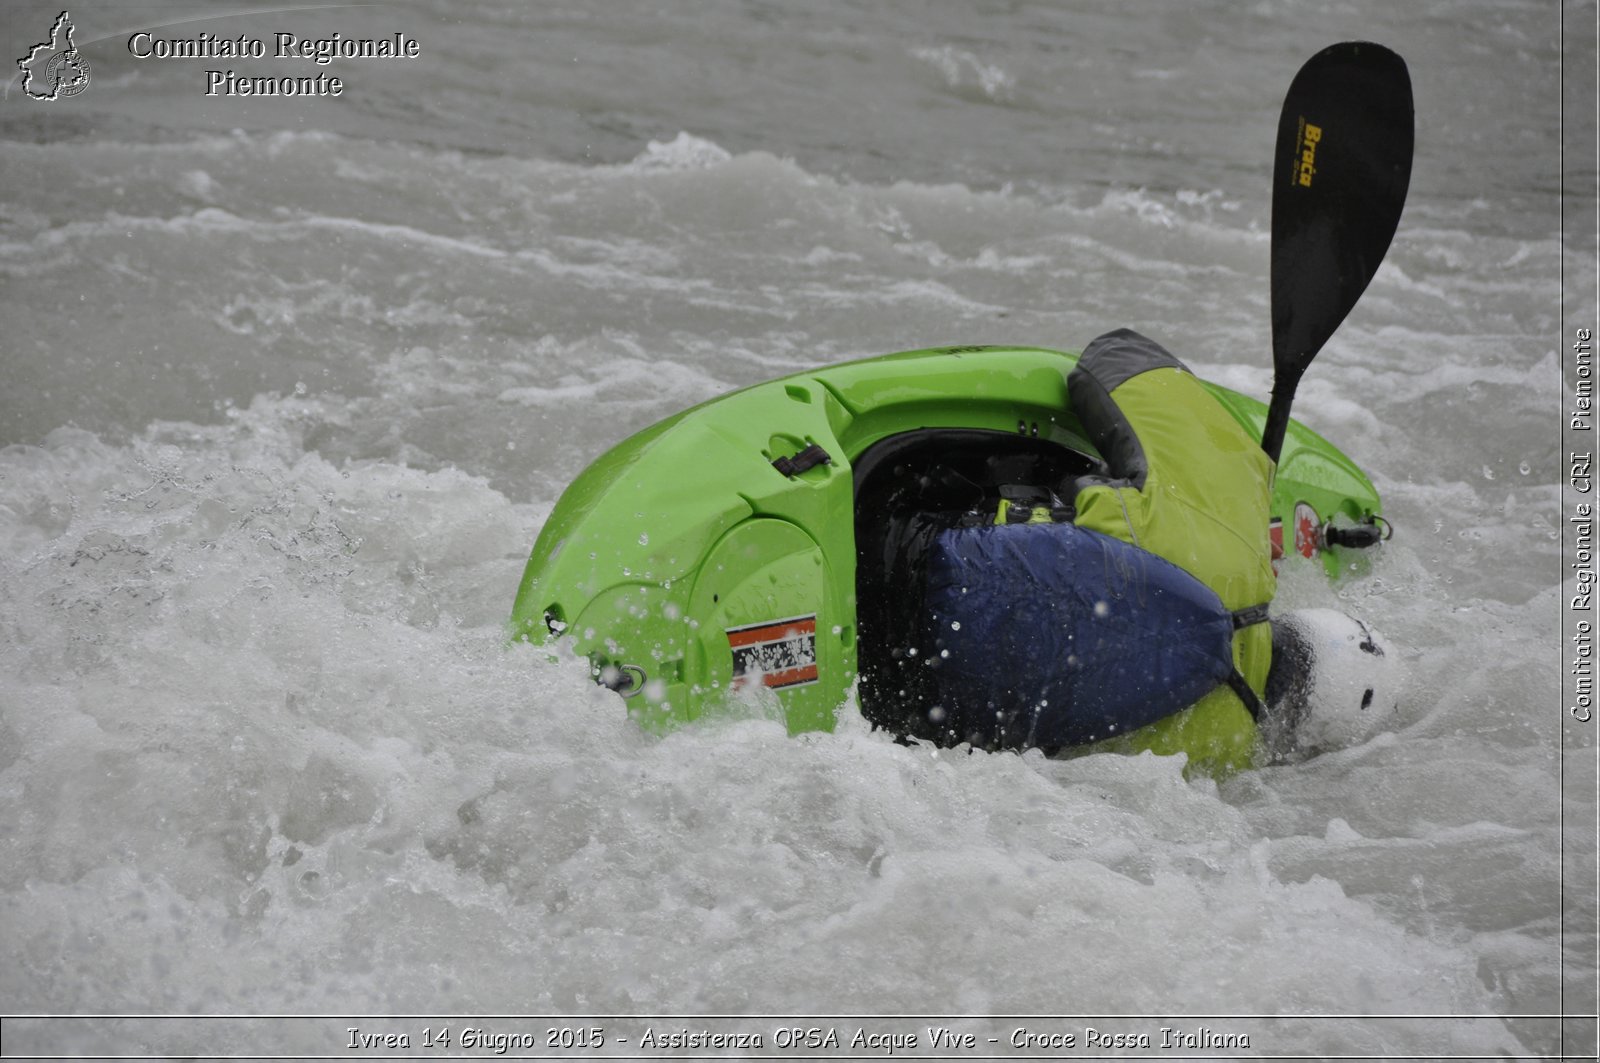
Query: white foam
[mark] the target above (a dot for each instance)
(683, 152)
(961, 69)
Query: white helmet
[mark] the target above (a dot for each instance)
(1334, 682)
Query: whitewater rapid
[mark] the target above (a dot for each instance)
(284, 409)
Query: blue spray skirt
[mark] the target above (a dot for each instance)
(1052, 635)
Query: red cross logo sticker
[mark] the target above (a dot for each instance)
(1307, 535)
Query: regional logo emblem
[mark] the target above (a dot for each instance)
(55, 68)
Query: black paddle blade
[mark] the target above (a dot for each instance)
(1339, 182)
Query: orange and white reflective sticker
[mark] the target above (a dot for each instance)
(782, 652)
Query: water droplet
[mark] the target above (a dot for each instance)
(1102, 610)
(644, 538)
(1488, 473)
(1524, 468)
(955, 625)
(944, 653)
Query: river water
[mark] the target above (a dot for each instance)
(288, 386)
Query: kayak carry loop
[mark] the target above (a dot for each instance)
(625, 679)
(1053, 635)
(1373, 531)
(809, 458)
